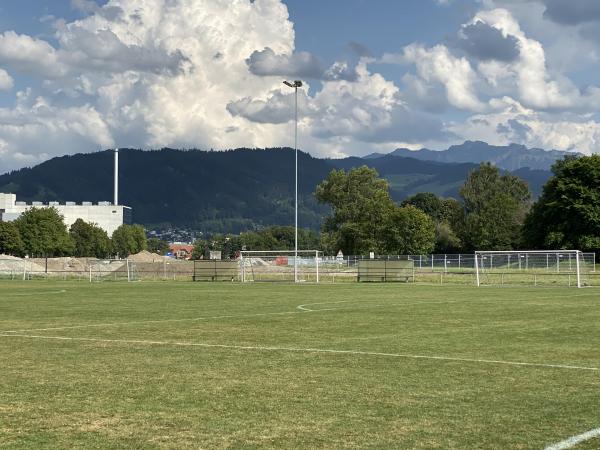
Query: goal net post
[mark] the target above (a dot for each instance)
(280, 265)
(532, 267)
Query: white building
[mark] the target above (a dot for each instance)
(107, 216)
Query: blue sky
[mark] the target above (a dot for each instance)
(84, 75)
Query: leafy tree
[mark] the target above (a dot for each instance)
(10, 239)
(495, 207)
(90, 240)
(567, 214)
(361, 206)
(279, 238)
(201, 249)
(156, 245)
(44, 233)
(446, 240)
(366, 219)
(408, 231)
(448, 216)
(427, 202)
(129, 239)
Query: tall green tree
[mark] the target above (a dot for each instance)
(448, 216)
(44, 233)
(128, 240)
(361, 205)
(10, 239)
(365, 219)
(567, 214)
(495, 207)
(429, 203)
(90, 240)
(408, 231)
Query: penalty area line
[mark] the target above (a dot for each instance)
(573, 441)
(304, 350)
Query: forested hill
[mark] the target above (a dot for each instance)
(223, 190)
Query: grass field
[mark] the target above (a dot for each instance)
(223, 365)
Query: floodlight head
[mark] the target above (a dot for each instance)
(295, 84)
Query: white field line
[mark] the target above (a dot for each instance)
(573, 441)
(302, 309)
(303, 350)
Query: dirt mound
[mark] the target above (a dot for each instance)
(146, 257)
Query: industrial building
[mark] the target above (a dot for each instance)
(108, 216)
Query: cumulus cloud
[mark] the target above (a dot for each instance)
(300, 64)
(147, 73)
(208, 73)
(572, 12)
(6, 81)
(437, 64)
(297, 65)
(30, 55)
(515, 123)
(485, 42)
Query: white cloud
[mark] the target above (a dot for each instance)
(6, 81)
(515, 123)
(30, 55)
(437, 64)
(208, 74)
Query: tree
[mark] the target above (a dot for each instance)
(495, 209)
(10, 239)
(279, 238)
(427, 202)
(44, 233)
(409, 231)
(567, 214)
(129, 239)
(366, 219)
(448, 216)
(201, 249)
(361, 204)
(89, 240)
(156, 245)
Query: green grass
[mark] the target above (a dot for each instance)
(141, 385)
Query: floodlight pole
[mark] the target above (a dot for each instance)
(296, 84)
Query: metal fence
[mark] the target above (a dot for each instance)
(437, 268)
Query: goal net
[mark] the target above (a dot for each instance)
(533, 267)
(280, 265)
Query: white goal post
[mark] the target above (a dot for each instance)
(537, 267)
(278, 265)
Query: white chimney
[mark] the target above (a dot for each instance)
(116, 201)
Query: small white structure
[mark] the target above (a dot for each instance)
(107, 216)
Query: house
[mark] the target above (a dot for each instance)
(181, 251)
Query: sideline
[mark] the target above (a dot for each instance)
(306, 350)
(573, 441)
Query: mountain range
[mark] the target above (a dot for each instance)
(509, 157)
(241, 189)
